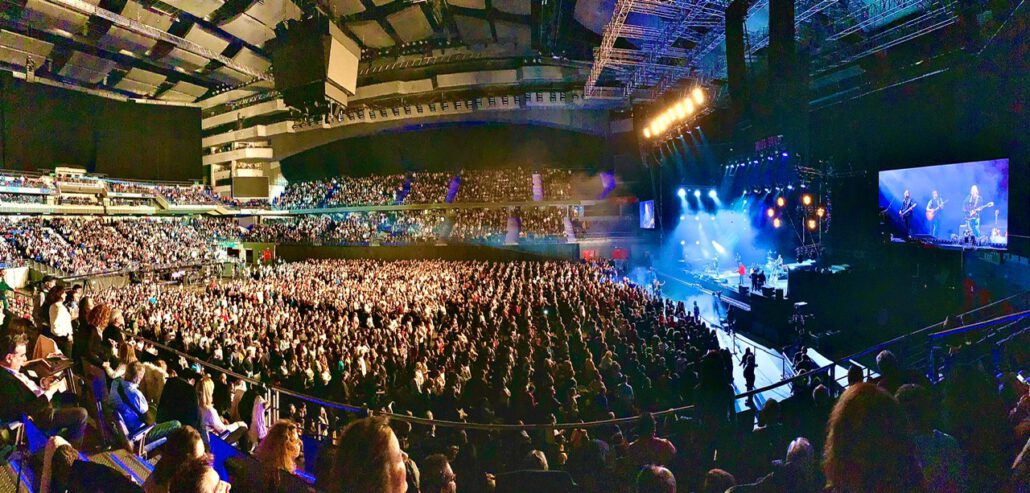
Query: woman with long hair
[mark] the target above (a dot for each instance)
(279, 451)
(213, 423)
(868, 447)
(60, 328)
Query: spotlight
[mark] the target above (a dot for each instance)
(806, 199)
(655, 129)
(820, 212)
(811, 224)
(683, 242)
(698, 95)
(681, 112)
(698, 242)
(681, 193)
(712, 194)
(697, 217)
(790, 187)
(777, 223)
(780, 201)
(697, 193)
(688, 106)
(682, 217)
(770, 212)
(647, 133)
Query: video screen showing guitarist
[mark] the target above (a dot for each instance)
(907, 206)
(933, 207)
(972, 207)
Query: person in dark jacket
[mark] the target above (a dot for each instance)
(20, 396)
(179, 401)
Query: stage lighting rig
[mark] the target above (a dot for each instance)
(676, 114)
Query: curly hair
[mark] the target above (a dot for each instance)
(99, 316)
(281, 447)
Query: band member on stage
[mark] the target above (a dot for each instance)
(907, 206)
(972, 207)
(933, 207)
(741, 271)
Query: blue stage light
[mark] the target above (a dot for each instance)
(697, 193)
(682, 193)
(712, 194)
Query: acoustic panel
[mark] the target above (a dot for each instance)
(473, 29)
(371, 34)
(517, 7)
(207, 39)
(249, 29)
(87, 68)
(468, 4)
(199, 8)
(410, 24)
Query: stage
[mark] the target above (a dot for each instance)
(728, 281)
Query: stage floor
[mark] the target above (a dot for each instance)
(730, 279)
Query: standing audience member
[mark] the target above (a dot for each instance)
(60, 327)
(649, 448)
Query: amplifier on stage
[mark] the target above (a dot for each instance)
(743, 290)
(779, 293)
(767, 292)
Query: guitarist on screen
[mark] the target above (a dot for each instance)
(932, 208)
(907, 206)
(972, 207)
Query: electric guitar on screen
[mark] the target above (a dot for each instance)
(932, 211)
(906, 211)
(974, 212)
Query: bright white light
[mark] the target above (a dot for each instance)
(712, 194)
(682, 193)
(698, 95)
(683, 242)
(697, 193)
(718, 248)
(682, 217)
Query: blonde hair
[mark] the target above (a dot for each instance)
(281, 447)
(206, 392)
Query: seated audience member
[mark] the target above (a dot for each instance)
(798, 474)
(197, 476)
(281, 448)
(20, 395)
(655, 479)
(63, 470)
(437, 476)
(368, 459)
(939, 453)
(648, 448)
(179, 402)
(183, 445)
(855, 375)
(154, 377)
(868, 447)
(718, 481)
(130, 403)
(535, 475)
(890, 373)
(213, 423)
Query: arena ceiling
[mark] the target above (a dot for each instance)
(123, 46)
(184, 51)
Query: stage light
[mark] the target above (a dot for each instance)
(681, 112)
(683, 242)
(698, 242)
(770, 212)
(712, 194)
(780, 201)
(688, 106)
(697, 193)
(647, 133)
(682, 193)
(820, 212)
(697, 218)
(654, 128)
(806, 199)
(790, 187)
(698, 95)
(777, 223)
(785, 154)
(682, 217)
(811, 224)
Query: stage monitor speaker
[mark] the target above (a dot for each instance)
(743, 290)
(779, 293)
(314, 63)
(767, 292)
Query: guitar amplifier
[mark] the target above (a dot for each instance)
(767, 292)
(743, 290)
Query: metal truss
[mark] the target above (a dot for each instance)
(611, 33)
(938, 16)
(804, 10)
(875, 14)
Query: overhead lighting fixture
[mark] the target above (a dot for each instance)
(698, 95)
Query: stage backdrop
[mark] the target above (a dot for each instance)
(44, 126)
